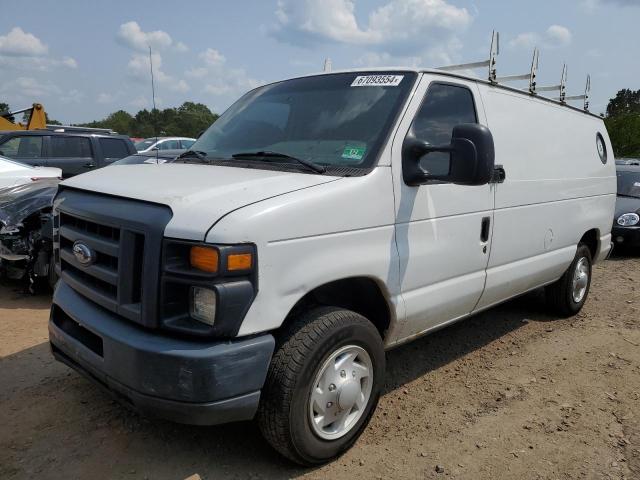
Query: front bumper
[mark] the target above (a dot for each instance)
(186, 381)
(626, 236)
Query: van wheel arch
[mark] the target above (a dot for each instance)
(591, 239)
(362, 295)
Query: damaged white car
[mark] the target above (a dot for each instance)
(26, 233)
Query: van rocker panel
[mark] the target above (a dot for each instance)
(182, 380)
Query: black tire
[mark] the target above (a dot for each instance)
(301, 350)
(560, 294)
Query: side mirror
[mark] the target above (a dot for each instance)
(155, 148)
(200, 133)
(471, 160)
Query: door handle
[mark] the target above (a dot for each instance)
(484, 229)
(89, 165)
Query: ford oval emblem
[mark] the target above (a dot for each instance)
(83, 253)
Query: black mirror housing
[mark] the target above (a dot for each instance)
(471, 162)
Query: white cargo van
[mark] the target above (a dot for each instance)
(316, 223)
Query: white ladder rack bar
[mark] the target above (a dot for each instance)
(512, 78)
(548, 89)
(584, 96)
(465, 66)
(491, 62)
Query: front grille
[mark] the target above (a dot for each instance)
(124, 275)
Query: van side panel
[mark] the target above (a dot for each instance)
(556, 189)
(315, 236)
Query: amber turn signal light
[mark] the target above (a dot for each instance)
(204, 258)
(239, 261)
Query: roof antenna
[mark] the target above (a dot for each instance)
(153, 99)
(327, 65)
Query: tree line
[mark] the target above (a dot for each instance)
(187, 120)
(623, 123)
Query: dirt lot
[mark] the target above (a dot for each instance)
(511, 393)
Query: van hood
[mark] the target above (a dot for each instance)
(198, 195)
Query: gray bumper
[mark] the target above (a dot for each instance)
(187, 381)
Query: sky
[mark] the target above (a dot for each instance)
(84, 59)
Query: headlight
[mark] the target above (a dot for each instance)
(628, 219)
(202, 305)
(205, 289)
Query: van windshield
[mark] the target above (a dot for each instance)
(337, 120)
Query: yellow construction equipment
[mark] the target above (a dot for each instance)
(37, 119)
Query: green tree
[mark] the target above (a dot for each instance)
(623, 123)
(4, 108)
(625, 101)
(624, 131)
(187, 120)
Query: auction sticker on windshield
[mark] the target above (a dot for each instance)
(377, 81)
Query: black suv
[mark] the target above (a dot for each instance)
(72, 151)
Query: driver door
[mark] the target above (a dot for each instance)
(443, 231)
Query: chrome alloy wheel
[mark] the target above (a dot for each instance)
(580, 280)
(340, 392)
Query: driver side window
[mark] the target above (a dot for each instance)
(443, 107)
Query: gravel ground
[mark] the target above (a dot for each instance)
(510, 393)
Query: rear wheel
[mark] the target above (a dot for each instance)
(323, 385)
(568, 295)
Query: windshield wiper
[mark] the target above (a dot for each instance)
(194, 154)
(269, 154)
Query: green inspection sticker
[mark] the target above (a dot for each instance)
(353, 153)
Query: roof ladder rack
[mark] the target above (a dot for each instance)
(531, 76)
(491, 62)
(585, 96)
(559, 88)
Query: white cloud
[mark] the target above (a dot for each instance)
(72, 96)
(196, 72)
(19, 43)
(139, 68)
(399, 32)
(105, 98)
(219, 78)
(212, 57)
(181, 47)
(591, 5)
(23, 51)
(525, 40)
(555, 36)
(69, 62)
(30, 88)
(558, 35)
(132, 36)
(140, 102)
(402, 27)
(229, 81)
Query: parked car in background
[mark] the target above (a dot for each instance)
(626, 222)
(152, 157)
(164, 143)
(14, 173)
(74, 152)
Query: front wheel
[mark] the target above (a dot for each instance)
(323, 385)
(568, 295)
